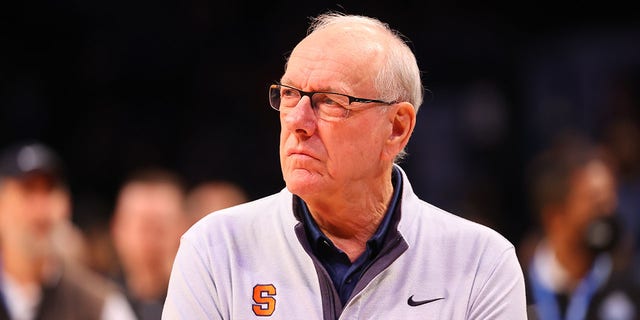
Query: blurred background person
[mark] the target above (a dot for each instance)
(579, 267)
(148, 219)
(213, 195)
(42, 276)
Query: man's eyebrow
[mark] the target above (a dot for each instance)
(288, 82)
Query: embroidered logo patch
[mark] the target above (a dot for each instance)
(263, 296)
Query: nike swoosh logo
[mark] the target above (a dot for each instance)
(414, 303)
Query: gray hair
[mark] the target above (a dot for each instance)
(399, 77)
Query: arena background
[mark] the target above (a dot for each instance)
(117, 85)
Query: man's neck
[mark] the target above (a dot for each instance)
(351, 239)
(350, 221)
(147, 285)
(575, 259)
(27, 269)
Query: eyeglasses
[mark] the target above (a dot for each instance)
(328, 106)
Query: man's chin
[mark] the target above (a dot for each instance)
(302, 184)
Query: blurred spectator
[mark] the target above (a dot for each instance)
(210, 196)
(578, 268)
(146, 227)
(41, 276)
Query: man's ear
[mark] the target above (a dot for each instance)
(403, 120)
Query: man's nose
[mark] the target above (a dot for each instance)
(302, 118)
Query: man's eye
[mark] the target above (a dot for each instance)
(329, 102)
(286, 92)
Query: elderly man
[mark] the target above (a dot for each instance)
(347, 238)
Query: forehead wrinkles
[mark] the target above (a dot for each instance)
(337, 57)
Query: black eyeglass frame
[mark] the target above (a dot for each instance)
(310, 94)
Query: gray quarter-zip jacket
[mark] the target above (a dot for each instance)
(252, 261)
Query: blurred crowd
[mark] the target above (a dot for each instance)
(52, 269)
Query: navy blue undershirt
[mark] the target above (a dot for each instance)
(343, 273)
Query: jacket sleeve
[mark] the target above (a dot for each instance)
(502, 295)
(192, 292)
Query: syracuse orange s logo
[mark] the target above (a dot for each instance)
(265, 303)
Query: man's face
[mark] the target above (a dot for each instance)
(319, 157)
(147, 226)
(30, 209)
(592, 196)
